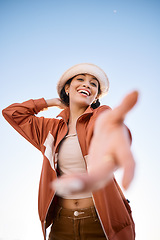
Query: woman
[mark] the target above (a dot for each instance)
(80, 205)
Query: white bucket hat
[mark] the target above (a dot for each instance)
(85, 68)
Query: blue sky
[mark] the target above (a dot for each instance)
(39, 40)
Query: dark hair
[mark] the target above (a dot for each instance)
(65, 98)
(96, 104)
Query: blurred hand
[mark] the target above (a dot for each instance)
(109, 150)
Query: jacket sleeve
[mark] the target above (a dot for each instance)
(21, 116)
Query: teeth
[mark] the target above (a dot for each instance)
(84, 91)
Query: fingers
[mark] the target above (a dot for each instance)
(125, 160)
(102, 172)
(73, 184)
(67, 186)
(128, 174)
(129, 101)
(96, 178)
(126, 105)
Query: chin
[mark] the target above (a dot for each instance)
(83, 104)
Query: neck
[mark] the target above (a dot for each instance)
(75, 113)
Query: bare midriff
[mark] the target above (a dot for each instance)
(75, 203)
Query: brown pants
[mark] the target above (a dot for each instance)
(82, 224)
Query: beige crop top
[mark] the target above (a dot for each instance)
(70, 160)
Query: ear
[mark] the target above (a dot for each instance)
(66, 88)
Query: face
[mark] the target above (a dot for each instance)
(83, 90)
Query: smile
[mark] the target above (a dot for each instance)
(85, 92)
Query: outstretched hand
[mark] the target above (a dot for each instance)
(109, 150)
(110, 146)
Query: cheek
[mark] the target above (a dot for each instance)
(96, 92)
(70, 89)
(73, 86)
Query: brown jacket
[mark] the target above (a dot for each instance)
(46, 134)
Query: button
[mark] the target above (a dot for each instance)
(76, 213)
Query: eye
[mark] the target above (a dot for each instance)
(94, 84)
(80, 79)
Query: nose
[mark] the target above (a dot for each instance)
(86, 84)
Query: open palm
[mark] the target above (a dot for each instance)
(109, 150)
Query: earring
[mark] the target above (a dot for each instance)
(95, 101)
(67, 93)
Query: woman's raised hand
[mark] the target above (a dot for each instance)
(55, 102)
(109, 150)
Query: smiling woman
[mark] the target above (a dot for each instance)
(83, 90)
(93, 81)
(83, 148)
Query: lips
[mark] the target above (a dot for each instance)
(85, 92)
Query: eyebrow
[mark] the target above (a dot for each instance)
(94, 78)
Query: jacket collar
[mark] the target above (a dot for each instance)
(66, 112)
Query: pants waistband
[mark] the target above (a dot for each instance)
(76, 213)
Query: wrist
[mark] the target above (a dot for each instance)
(52, 102)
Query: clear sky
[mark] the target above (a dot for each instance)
(39, 40)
